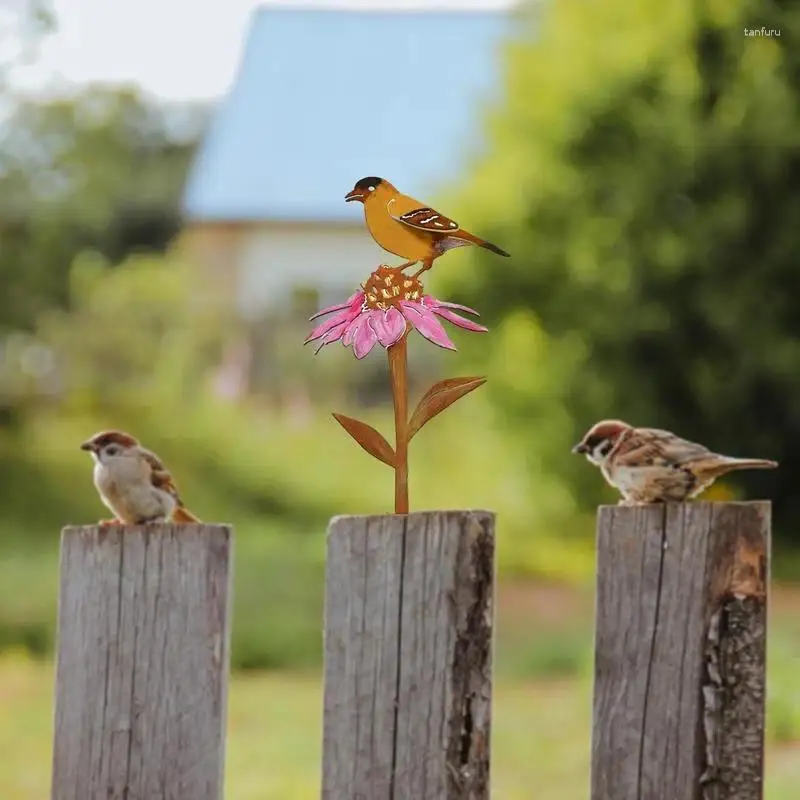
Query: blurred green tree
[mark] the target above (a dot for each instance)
(140, 335)
(643, 170)
(101, 170)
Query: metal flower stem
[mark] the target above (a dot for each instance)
(398, 369)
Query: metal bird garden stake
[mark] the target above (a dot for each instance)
(387, 307)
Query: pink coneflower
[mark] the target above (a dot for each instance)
(385, 309)
(381, 311)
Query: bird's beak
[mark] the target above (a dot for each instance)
(579, 448)
(353, 195)
(88, 446)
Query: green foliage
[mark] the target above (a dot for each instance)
(783, 696)
(100, 170)
(643, 172)
(134, 333)
(139, 349)
(550, 655)
(277, 484)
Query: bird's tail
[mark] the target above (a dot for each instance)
(183, 515)
(495, 249)
(482, 243)
(725, 464)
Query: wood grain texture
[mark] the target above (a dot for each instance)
(408, 649)
(143, 655)
(680, 651)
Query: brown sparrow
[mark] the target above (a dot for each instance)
(647, 465)
(133, 482)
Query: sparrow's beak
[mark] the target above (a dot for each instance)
(580, 448)
(88, 446)
(353, 195)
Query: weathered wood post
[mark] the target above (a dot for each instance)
(408, 649)
(142, 672)
(680, 652)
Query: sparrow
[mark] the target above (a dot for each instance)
(648, 465)
(133, 483)
(408, 228)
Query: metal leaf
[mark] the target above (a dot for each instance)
(368, 438)
(439, 397)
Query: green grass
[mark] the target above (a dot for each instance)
(540, 738)
(542, 708)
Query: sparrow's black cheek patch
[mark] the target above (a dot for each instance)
(593, 443)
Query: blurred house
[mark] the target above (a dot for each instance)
(323, 98)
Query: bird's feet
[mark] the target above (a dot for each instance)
(626, 502)
(426, 265)
(104, 523)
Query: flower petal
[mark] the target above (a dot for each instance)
(462, 322)
(331, 336)
(389, 325)
(364, 337)
(433, 303)
(426, 323)
(354, 302)
(321, 329)
(347, 335)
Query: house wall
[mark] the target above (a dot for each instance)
(261, 265)
(268, 269)
(276, 260)
(213, 249)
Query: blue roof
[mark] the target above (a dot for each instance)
(325, 97)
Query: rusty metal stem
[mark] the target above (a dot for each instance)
(398, 369)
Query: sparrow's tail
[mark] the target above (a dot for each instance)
(181, 514)
(724, 464)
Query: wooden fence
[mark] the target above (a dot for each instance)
(680, 652)
(144, 627)
(142, 670)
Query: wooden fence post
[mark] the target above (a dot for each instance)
(408, 648)
(143, 655)
(680, 652)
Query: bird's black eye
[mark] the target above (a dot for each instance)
(605, 448)
(112, 450)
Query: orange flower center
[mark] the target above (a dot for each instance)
(387, 286)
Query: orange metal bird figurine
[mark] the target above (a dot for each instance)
(408, 228)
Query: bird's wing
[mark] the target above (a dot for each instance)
(160, 476)
(655, 447)
(421, 218)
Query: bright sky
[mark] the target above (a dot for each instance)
(177, 49)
